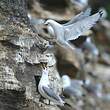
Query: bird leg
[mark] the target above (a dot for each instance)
(45, 101)
(43, 65)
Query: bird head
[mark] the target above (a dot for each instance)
(53, 27)
(50, 24)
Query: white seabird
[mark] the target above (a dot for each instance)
(72, 87)
(92, 88)
(89, 46)
(46, 91)
(71, 31)
(80, 16)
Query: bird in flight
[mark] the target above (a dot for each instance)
(78, 25)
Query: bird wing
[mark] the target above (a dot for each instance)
(69, 91)
(50, 92)
(76, 82)
(80, 16)
(74, 30)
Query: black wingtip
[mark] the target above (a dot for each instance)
(101, 13)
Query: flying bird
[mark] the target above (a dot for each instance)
(80, 16)
(73, 29)
(46, 91)
(72, 87)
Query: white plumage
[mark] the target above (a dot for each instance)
(46, 91)
(79, 16)
(72, 87)
(74, 28)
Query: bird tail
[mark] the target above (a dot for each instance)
(61, 102)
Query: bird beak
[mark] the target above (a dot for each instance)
(46, 23)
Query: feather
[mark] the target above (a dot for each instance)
(73, 31)
(79, 17)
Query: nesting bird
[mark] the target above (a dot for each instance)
(105, 97)
(46, 91)
(89, 46)
(91, 51)
(95, 89)
(74, 28)
(72, 88)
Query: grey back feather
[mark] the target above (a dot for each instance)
(50, 92)
(80, 16)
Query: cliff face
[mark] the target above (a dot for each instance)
(21, 54)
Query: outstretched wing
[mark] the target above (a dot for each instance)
(74, 30)
(80, 16)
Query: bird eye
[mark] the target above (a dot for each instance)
(47, 55)
(46, 24)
